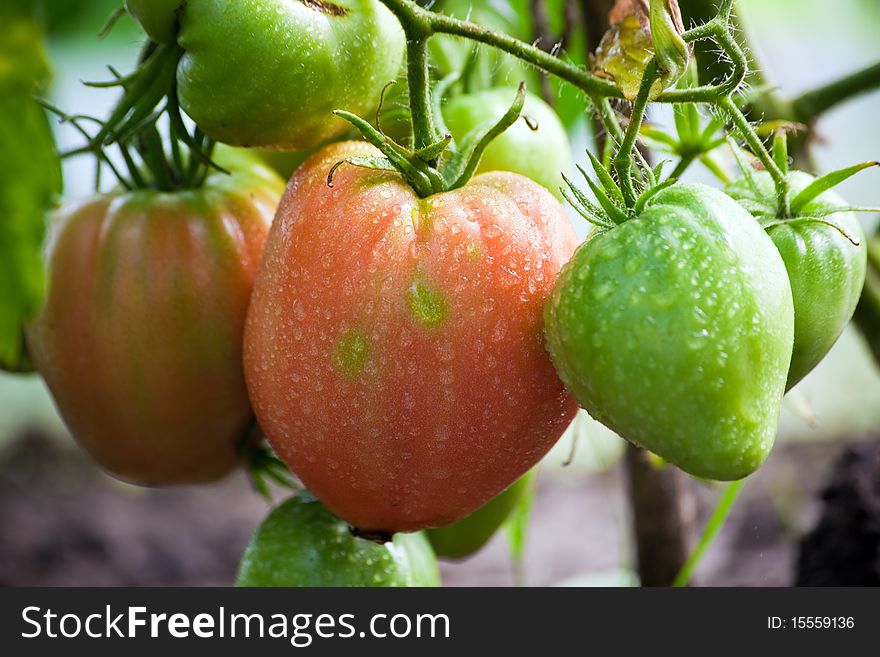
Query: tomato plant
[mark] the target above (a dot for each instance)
(423, 324)
(301, 543)
(394, 308)
(139, 338)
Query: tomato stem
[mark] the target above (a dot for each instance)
(747, 132)
(624, 160)
(713, 526)
(424, 131)
(811, 104)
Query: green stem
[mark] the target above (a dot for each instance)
(715, 523)
(418, 73)
(428, 22)
(757, 147)
(607, 118)
(624, 160)
(812, 103)
(683, 164)
(719, 31)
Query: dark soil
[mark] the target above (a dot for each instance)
(65, 523)
(844, 548)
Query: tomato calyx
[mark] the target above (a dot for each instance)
(801, 208)
(441, 166)
(610, 209)
(262, 465)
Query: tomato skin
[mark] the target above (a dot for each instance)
(464, 537)
(393, 347)
(825, 269)
(301, 543)
(541, 154)
(157, 17)
(269, 73)
(139, 338)
(675, 330)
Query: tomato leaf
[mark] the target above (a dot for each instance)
(30, 175)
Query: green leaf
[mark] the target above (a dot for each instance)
(516, 527)
(713, 526)
(30, 176)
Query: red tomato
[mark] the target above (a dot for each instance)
(139, 339)
(394, 348)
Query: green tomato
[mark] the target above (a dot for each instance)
(157, 17)
(675, 330)
(301, 543)
(464, 537)
(542, 154)
(283, 162)
(269, 73)
(825, 267)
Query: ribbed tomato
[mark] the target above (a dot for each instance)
(394, 345)
(139, 339)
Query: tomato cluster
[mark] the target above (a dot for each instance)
(412, 356)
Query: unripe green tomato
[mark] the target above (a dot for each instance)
(675, 329)
(464, 537)
(283, 162)
(301, 543)
(157, 17)
(825, 267)
(542, 154)
(269, 73)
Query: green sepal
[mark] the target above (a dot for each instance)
(374, 163)
(617, 215)
(608, 184)
(583, 206)
(422, 177)
(433, 151)
(647, 196)
(466, 159)
(824, 183)
(670, 50)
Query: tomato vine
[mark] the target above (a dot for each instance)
(420, 24)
